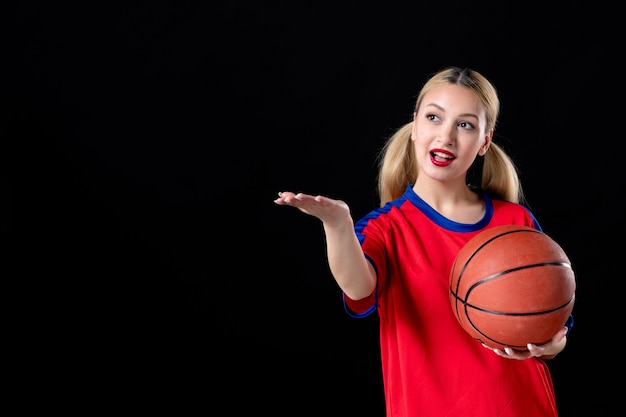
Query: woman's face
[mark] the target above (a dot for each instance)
(449, 132)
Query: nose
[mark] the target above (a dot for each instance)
(447, 134)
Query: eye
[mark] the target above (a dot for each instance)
(432, 117)
(466, 125)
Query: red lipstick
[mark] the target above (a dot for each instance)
(441, 157)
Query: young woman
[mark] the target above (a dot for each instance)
(396, 260)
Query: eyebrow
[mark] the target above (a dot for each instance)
(443, 110)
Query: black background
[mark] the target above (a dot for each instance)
(144, 143)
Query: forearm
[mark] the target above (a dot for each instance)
(353, 273)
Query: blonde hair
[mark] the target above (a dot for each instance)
(398, 164)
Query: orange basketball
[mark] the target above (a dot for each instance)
(512, 285)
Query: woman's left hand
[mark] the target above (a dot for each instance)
(546, 350)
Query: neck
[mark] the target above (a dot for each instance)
(453, 200)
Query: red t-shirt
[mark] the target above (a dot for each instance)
(431, 367)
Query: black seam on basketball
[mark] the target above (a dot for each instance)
(504, 313)
(494, 276)
(519, 268)
(458, 281)
(463, 311)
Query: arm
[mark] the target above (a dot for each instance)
(354, 274)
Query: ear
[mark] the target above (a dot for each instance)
(413, 134)
(483, 149)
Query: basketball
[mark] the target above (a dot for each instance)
(512, 285)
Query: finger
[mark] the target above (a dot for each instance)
(535, 350)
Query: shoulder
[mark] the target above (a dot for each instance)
(384, 212)
(515, 213)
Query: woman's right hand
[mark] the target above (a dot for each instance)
(354, 274)
(331, 212)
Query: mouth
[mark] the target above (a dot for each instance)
(441, 158)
